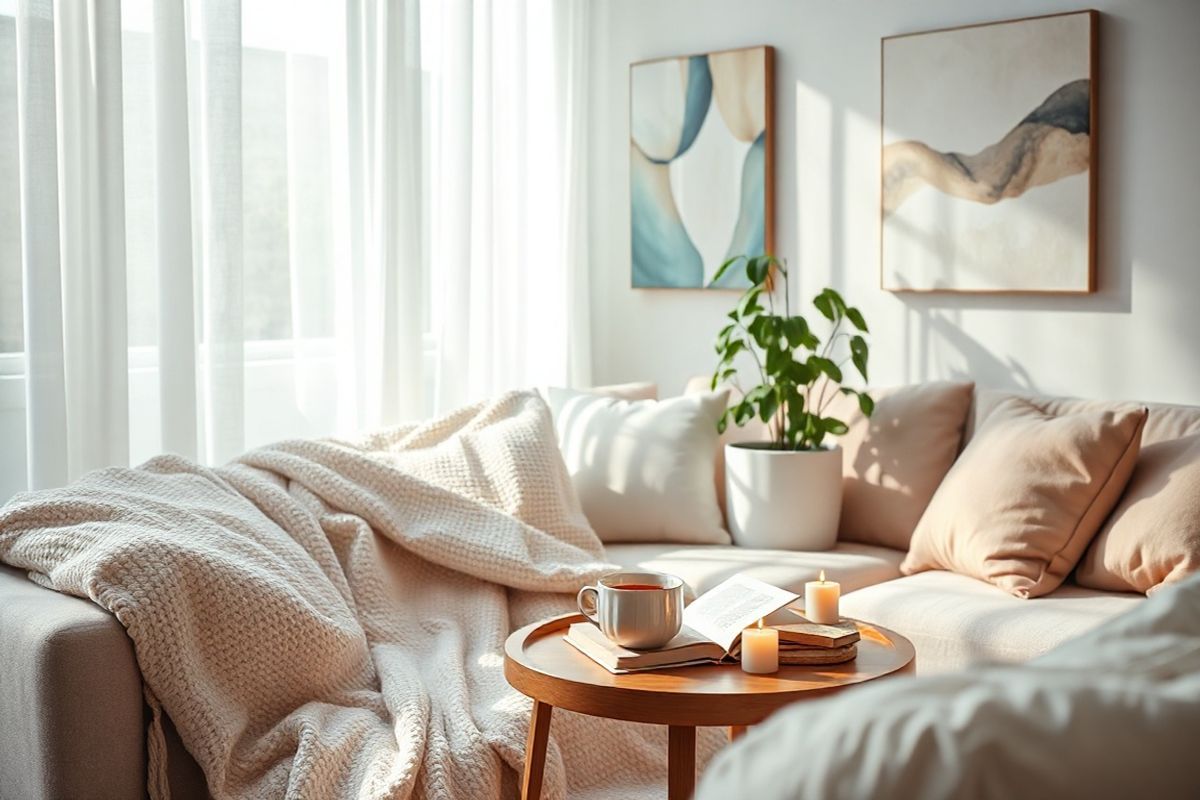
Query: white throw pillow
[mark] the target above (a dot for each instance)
(643, 469)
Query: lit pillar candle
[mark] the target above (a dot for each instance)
(760, 650)
(821, 600)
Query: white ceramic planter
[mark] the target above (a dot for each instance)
(783, 499)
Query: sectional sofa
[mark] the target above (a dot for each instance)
(953, 620)
(71, 698)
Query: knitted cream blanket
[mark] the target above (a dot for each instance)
(326, 618)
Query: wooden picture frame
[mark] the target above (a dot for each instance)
(970, 203)
(696, 146)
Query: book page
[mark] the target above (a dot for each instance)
(739, 602)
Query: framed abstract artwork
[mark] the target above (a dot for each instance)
(988, 147)
(701, 166)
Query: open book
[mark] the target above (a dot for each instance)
(712, 629)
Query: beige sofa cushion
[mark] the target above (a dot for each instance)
(955, 621)
(1153, 536)
(640, 390)
(1164, 422)
(894, 461)
(703, 567)
(1027, 496)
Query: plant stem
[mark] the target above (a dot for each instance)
(751, 344)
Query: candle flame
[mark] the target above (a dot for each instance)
(760, 623)
(822, 579)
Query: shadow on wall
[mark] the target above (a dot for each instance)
(970, 361)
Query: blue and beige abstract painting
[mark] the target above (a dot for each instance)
(698, 161)
(987, 144)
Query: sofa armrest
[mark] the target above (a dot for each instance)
(70, 697)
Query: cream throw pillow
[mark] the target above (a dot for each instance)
(643, 469)
(1153, 536)
(1027, 495)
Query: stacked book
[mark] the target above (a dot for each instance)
(813, 643)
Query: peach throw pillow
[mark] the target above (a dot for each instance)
(895, 460)
(1026, 497)
(1153, 536)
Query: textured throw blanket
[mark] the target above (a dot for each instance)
(326, 618)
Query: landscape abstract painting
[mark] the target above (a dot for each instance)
(700, 166)
(988, 137)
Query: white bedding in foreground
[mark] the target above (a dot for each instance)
(326, 619)
(1112, 714)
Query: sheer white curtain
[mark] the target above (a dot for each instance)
(508, 87)
(231, 222)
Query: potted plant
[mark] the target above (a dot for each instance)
(786, 492)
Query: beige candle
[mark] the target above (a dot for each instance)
(821, 600)
(760, 650)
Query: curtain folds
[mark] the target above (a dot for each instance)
(177, 357)
(243, 220)
(380, 297)
(509, 234)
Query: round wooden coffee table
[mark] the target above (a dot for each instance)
(539, 663)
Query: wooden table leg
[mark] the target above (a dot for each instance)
(681, 762)
(535, 750)
(736, 732)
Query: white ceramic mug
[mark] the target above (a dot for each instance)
(642, 610)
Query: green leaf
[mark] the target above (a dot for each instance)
(858, 354)
(756, 394)
(795, 329)
(723, 422)
(721, 270)
(834, 426)
(749, 302)
(824, 305)
(838, 303)
(723, 337)
(732, 349)
(826, 366)
(866, 404)
(758, 268)
(768, 406)
(796, 415)
(777, 360)
(855, 316)
(743, 412)
(765, 331)
(813, 432)
(720, 376)
(799, 373)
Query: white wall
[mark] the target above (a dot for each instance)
(1137, 337)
